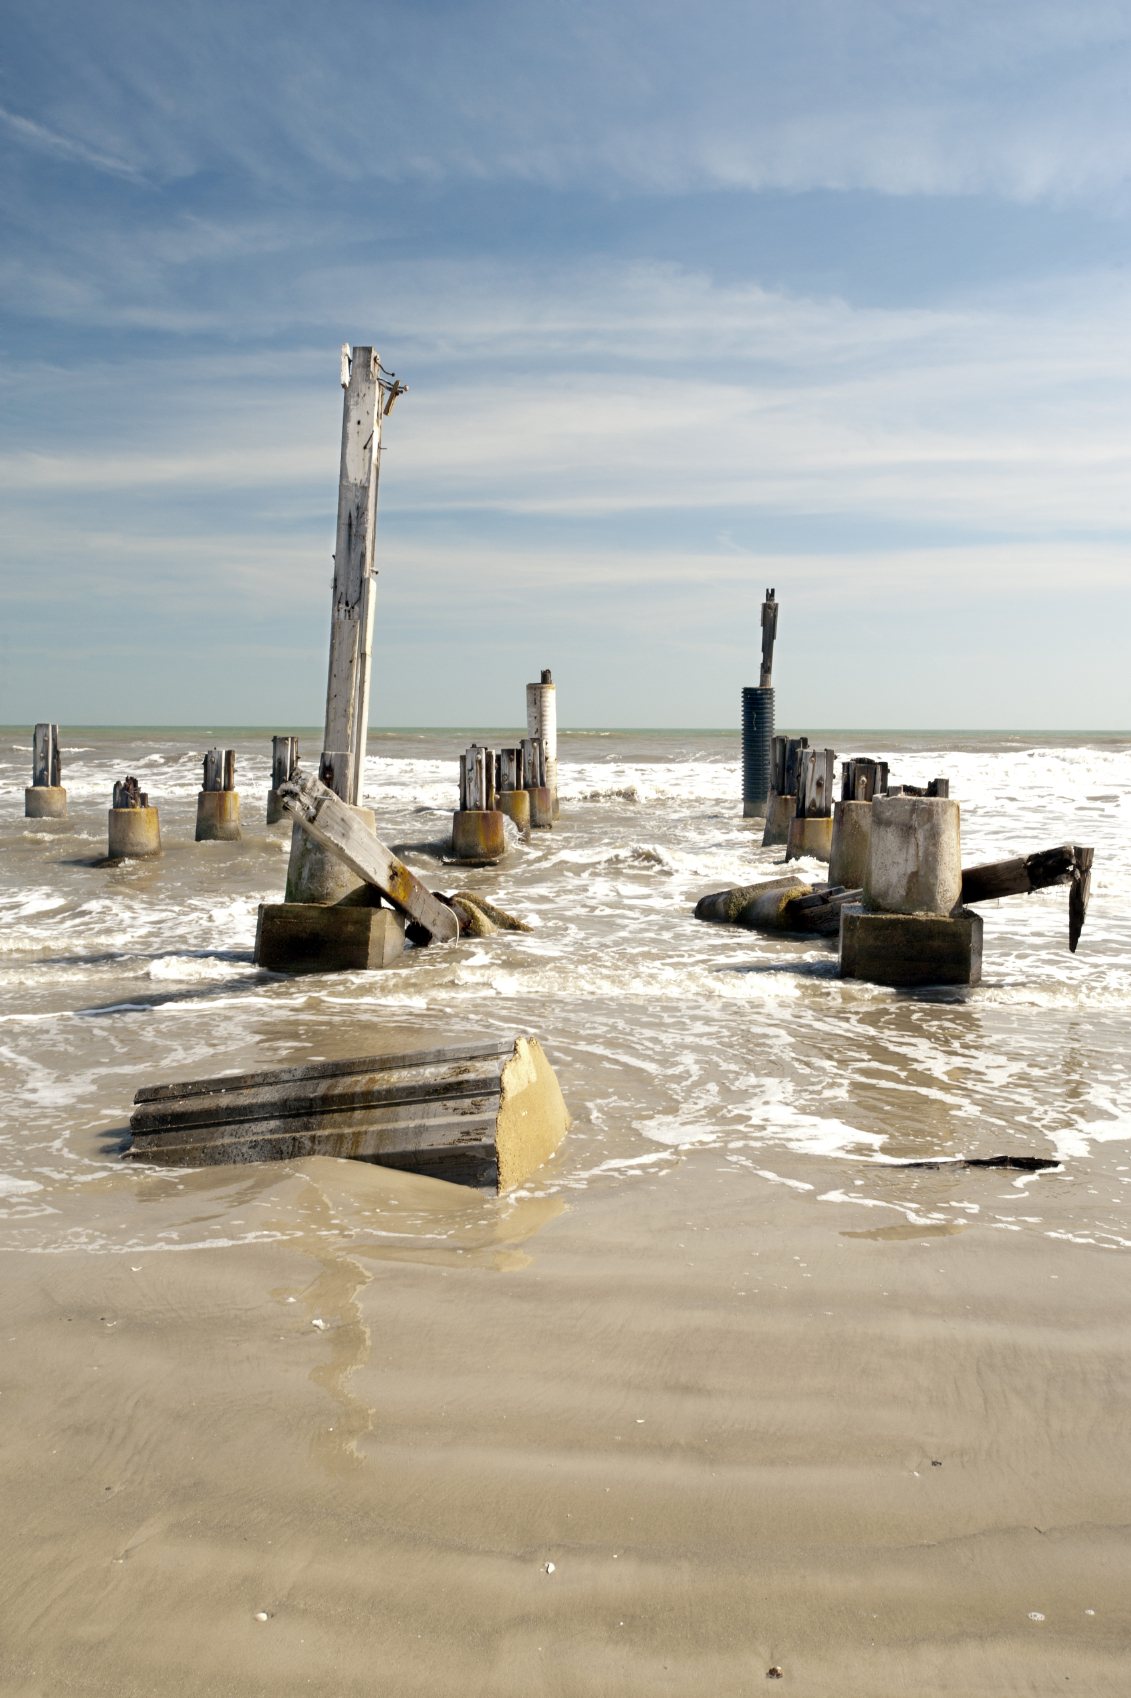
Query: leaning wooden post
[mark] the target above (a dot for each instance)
(45, 797)
(351, 628)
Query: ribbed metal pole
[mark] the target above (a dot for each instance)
(757, 737)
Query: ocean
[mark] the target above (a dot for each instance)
(669, 1036)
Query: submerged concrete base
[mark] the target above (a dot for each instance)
(275, 808)
(478, 835)
(541, 807)
(133, 832)
(309, 937)
(315, 875)
(754, 810)
(45, 802)
(910, 949)
(218, 816)
(852, 836)
(515, 804)
(809, 838)
(779, 811)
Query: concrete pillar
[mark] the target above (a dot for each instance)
(478, 835)
(133, 832)
(218, 816)
(852, 834)
(810, 839)
(45, 802)
(780, 810)
(541, 806)
(307, 937)
(516, 805)
(314, 875)
(542, 721)
(914, 856)
(910, 949)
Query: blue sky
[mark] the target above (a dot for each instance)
(691, 300)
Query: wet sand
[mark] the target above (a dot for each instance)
(746, 1430)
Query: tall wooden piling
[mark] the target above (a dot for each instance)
(542, 722)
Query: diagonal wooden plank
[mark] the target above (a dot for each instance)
(330, 822)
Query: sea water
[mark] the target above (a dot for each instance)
(667, 1035)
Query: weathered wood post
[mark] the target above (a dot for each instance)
(862, 778)
(758, 722)
(781, 806)
(542, 721)
(134, 830)
(811, 829)
(45, 797)
(284, 759)
(218, 804)
(317, 878)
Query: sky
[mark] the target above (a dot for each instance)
(691, 299)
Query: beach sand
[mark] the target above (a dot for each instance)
(745, 1436)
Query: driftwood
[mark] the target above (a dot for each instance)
(320, 812)
(485, 1114)
(1068, 863)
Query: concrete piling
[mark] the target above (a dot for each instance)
(134, 830)
(910, 928)
(45, 798)
(914, 856)
(852, 834)
(515, 804)
(542, 723)
(478, 834)
(218, 803)
(317, 878)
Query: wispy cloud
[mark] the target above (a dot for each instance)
(44, 140)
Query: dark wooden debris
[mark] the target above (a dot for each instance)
(1022, 1164)
(128, 795)
(862, 777)
(1068, 863)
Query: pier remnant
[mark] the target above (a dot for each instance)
(484, 1114)
(781, 805)
(344, 924)
(910, 928)
(542, 725)
(218, 804)
(284, 759)
(134, 830)
(536, 768)
(811, 829)
(513, 799)
(45, 798)
(477, 825)
(758, 721)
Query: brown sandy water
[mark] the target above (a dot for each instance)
(761, 1396)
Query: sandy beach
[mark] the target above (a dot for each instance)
(744, 1434)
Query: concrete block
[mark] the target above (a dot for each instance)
(811, 839)
(852, 834)
(45, 802)
(515, 804)
(311, 937)
(910, 949)
(914, 856)
(478, 835)
(218, 816)
(541, 807)
(275, 808)
(315, 875)
(780, 810)
(133, 832)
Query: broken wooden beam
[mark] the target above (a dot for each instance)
(1068, 863)
(330, 822)
(485, 1114)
